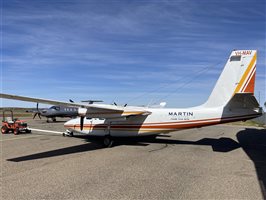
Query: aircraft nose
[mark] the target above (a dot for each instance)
(67, 122)
(44, 111)
(70, 122)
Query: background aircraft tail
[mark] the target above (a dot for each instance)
(238, 77)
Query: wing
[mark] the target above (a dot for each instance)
(89, 110)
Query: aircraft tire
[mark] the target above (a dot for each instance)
(108, 141)
(69, 134)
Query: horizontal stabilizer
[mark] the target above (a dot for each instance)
(243, 100)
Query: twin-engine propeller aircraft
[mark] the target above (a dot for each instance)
(232, 99)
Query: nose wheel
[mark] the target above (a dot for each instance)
(68, 133)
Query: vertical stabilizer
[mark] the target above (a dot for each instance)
(238, 76)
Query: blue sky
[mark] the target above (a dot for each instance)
(136, 52)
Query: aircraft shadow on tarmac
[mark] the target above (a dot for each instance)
(221, 145)
(58, 152)
(94, 143)
(252, 141)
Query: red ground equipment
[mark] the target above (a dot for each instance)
(12, 124)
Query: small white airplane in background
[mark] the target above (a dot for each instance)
(232, 99)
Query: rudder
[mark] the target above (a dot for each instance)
(238, 76)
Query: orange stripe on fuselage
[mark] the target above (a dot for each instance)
(118, 112)
(164, 127)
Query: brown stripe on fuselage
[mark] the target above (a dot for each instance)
(168, 126)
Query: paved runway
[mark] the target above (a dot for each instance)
(217, 162)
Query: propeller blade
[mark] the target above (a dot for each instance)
(82, 113)
(35, 115)
(38, 112)
(81, 122)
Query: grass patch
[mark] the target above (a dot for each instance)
(17, 112)
(247, 123)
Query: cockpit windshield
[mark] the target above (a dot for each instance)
(55, 108)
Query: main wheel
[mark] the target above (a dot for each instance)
(4, 129)
(108, 141)
(16, 131)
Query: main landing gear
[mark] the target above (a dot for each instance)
(53, 119)
(108, 141)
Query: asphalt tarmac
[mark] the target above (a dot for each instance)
(217, 162)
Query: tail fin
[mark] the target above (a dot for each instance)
(238, 76)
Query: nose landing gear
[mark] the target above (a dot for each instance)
(68, 133)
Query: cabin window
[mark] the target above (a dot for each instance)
(235, 58)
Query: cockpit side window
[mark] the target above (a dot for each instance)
(235, 58)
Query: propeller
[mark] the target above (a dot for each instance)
(81, 122)
(38, 112)
(82, 113)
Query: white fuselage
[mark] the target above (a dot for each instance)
(232, 99)
(162, 120)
